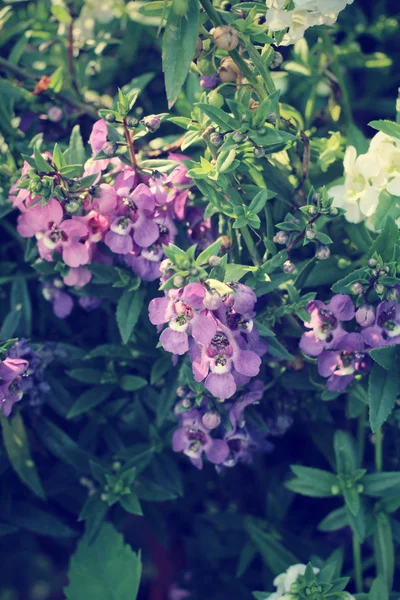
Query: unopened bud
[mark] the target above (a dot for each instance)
(311, 233)
(180, 7)
(277, 60)
(259, 152)
(165, 266)
(335, 490)
(365, 315)
(238, 136)
(55, 114)
(110, 148)
(186, 403)
(110, 118)
(152, 123)
(333, 211)
(214, 261)
(216, 139)
(281, 237)
(211, 419)
(181, 391)
(226, 37)
(379, 288)
(72, 206)
(226, 243)
(323, 253)
(372, 263)
(271, 118)
(393, 294)
(288, 267)
(131, 122)
(178, 281)
(212, 300)
(356, 288)
(228, 70)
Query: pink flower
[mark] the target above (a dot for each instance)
(11, 370)
(98, 137)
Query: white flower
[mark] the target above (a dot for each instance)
(283, 582)
(366, 176)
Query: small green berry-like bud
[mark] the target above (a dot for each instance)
(131, 122)
(311, 233)
(178, 281)
(335, 490)
(356, 288)
(259, 152)
(216, 139)
(323, 253)
(110, 118)
(181, 391)
(379, 288)
(214, 261)
(372, 263)
(238, 136)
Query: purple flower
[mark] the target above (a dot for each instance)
(342, 364)
(199, 230)
(98, 137)
(193, 439)
(62, 302)
(210, 82)
(386, 329)
(33, 384)
(11, 370)
(325, 324)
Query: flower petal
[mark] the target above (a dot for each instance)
(174, 341)
(220, 386)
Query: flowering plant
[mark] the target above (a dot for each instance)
(199, 308)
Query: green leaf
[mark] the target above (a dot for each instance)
(386, 241)
(178, 48)
(61, 13)
(35, 519)
(131, 383)
(76, 149)
(343, 285)
(86, 375)
(337, 519)
(41, 164)
(381, 484)
(10, 324)
(212, 250)
(160, 368)
(224, 121)
(131, 504)
(89, 399)
(17, 447)
(259, 201)
(21, 301)
(388, 206)
(274, 554)
(345, 453)
(315, 483)
(384, 549)
(106, 569)
(56, 80)
(276, 349)
(153, 492)
(385, 357)
(389, 127)
(128, 312)
(383, 388)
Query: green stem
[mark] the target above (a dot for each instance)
(338, 72)
(378, 450)
(357, 564)
(250, 245)
(361, 433)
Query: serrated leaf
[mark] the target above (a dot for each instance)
(106, 569)
(17, 447)
(178, 48)
(383, 388)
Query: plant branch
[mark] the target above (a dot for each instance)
(250, 245)
(338, 73)
(70, 54)
(357, 564)
(129, 141)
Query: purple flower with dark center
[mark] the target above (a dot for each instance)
(325, 324)
(193, 439)
(386, 329)
(11, 370)
(342, 364)
(210, 82)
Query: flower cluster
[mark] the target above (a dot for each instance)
(124, 218)
(222, 436)
(217, 331)
(366, 177)
(287, 585)
(304, 14)
(11, 389)
(341, 355)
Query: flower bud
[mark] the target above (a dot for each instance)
(92, 190)
(55, 114)
(72, 206)
(379, 288)
(323, 253)
(152, 123)
(228, 70)
(372, 263)
(110, 118)
(271, 118)
(214, 261)
(311, 233)
(281, 237)
(238, 136)
(212, 300)
(333, 211)
(288, 267)
(259, 151)
(181, 391)
(356, 288)
(226, 37)
(165, 266)
(131, 122)
(226, 5)
(226, 243)
(178, 281)
(209, 82)
(216, 139)
(211, 419)
(261, 20)
(110, 148)
(199, 48)
(180, 7)
(186, 403)
(216, 99)
(393, 294)
(276, 61)
(365, 315)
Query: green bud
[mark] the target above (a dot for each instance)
(215, 99)
(335, 490)
(110, 118)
